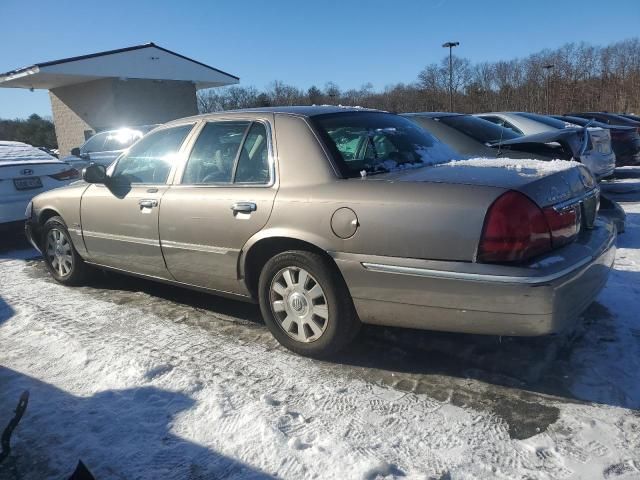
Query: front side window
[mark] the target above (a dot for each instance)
(150, 160)
(379, 142)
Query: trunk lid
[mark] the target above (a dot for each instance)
(547, 183)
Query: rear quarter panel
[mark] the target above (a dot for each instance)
(415, 220)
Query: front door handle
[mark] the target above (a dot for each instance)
(148, 203)
(244, 207)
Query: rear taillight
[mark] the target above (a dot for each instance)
(564, 225)
(66, 174)
(515, 229)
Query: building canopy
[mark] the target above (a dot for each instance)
(148, 61)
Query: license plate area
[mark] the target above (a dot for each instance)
(28, 183)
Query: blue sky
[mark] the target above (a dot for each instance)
(301, 42)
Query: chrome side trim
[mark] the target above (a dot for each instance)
(122, 238)
(473, 277)
(197, 247)
(558, 207)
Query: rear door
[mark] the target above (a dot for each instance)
(222, 197)
(120, 219)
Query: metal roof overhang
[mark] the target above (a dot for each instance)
(148, 61)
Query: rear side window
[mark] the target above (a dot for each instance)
(229, 152)
(150, 160)
(253, 162)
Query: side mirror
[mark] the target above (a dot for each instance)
(95, 173)
(75, 152)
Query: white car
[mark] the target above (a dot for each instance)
(598, 155)
(26, 171)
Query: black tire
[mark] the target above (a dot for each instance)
(74, 274)
(342, 324)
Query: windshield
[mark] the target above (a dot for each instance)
(373, 142)
(552, 122)
(479, 129)
(121, 139)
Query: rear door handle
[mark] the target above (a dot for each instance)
(244, 207)
(148, 203)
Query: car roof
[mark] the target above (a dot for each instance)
(298, 110)
(433, 114)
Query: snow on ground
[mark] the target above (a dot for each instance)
(167, 385)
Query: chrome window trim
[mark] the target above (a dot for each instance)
(179, 174)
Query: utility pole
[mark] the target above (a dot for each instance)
(548, 70)
(450, 46)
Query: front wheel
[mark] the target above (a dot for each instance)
(306, 304)
(60, 257)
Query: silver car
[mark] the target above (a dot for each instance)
(331, 217)
(104, 147)
(596, 153)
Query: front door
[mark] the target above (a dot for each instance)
(223, 197)
(120, 219)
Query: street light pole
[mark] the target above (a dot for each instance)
(548, 69)
(450, 46)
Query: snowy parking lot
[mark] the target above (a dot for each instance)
(142, 380)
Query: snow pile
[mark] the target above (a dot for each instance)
(527, 167)
(21, 152)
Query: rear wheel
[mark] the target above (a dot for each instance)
(306, 304)
(60, 257)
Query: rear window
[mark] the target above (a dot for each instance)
(478, 128)
(379, 142)
(552, 122)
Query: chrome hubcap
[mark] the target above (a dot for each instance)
(299, 304)
(58, 252)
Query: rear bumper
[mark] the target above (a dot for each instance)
(545, 297)
(12, 210)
